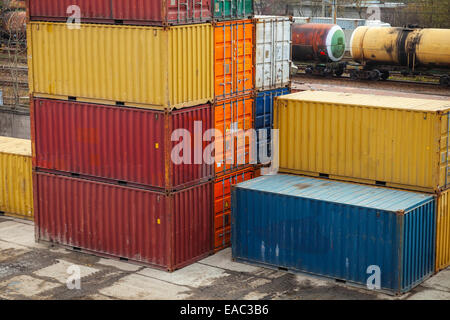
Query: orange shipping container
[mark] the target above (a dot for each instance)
(222, 205)
(233, 118)
(233, 59)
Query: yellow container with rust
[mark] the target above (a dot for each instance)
(384, 140)
(16, 184)
(148, 67)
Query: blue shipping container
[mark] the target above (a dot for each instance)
(264, 115)
(335, 229)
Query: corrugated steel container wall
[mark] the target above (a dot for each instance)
(443, 231)
(222, 205)
(150, 12)
(167, 231)
(335, 229)
(56, 10)
(273, 52)
(393, 141)
(264, 116)
(109, 64)
(233, 59)
(232, 119)
(16, 185)
(124, 144)
(232, 9)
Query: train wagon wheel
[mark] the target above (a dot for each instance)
(444, 81)
(385, 75)
(375, 75)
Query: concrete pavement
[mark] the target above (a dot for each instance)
(35, 271)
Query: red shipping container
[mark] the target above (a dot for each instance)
(122, 144)
(167, 231)
(148, 12)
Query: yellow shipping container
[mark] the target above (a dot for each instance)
(16, 184)
(148, 67)
(443, 231)
(392, 141)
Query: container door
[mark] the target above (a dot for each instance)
(233, 59)
(273, 53)
(232, 119)
(188, 11)
(222, 206)
(232, 9)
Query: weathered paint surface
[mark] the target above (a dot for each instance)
(233, 59)
(150, 12)
(167, 231)
(109, 64)
(121, 144)
(16, 184)
(443, 231)
(222, 205)
(264, 117)
(232, 9)
(317, 42)
(399, 46)
(272, 52)
(339, 230)
(393, 141)
(233, 150)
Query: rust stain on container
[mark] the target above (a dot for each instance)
(392, 141)
(147, 67)
(120, 144)
(148, 12)
(167, 231)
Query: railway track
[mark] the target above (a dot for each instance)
(347, 78)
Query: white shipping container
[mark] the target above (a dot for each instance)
(273, 52)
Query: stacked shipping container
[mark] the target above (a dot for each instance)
(272, 75)
(107, 99)
(233, 105)
(16, 186)
(379, 140)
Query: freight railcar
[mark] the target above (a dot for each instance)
(321, 46)
(411, 51)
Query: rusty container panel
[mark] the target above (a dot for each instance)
(222, 205)
(61, 10)
(16, 185)
(149, 12)
(233, 59)
(167, 231)
(233, 149)
(377, 139)
(109, 64)
(123, 144)
(443, 231)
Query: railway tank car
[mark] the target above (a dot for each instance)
(412, 51)
(320, 45)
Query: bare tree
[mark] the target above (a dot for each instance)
(14, 36)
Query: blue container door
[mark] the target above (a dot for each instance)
(264, 118)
